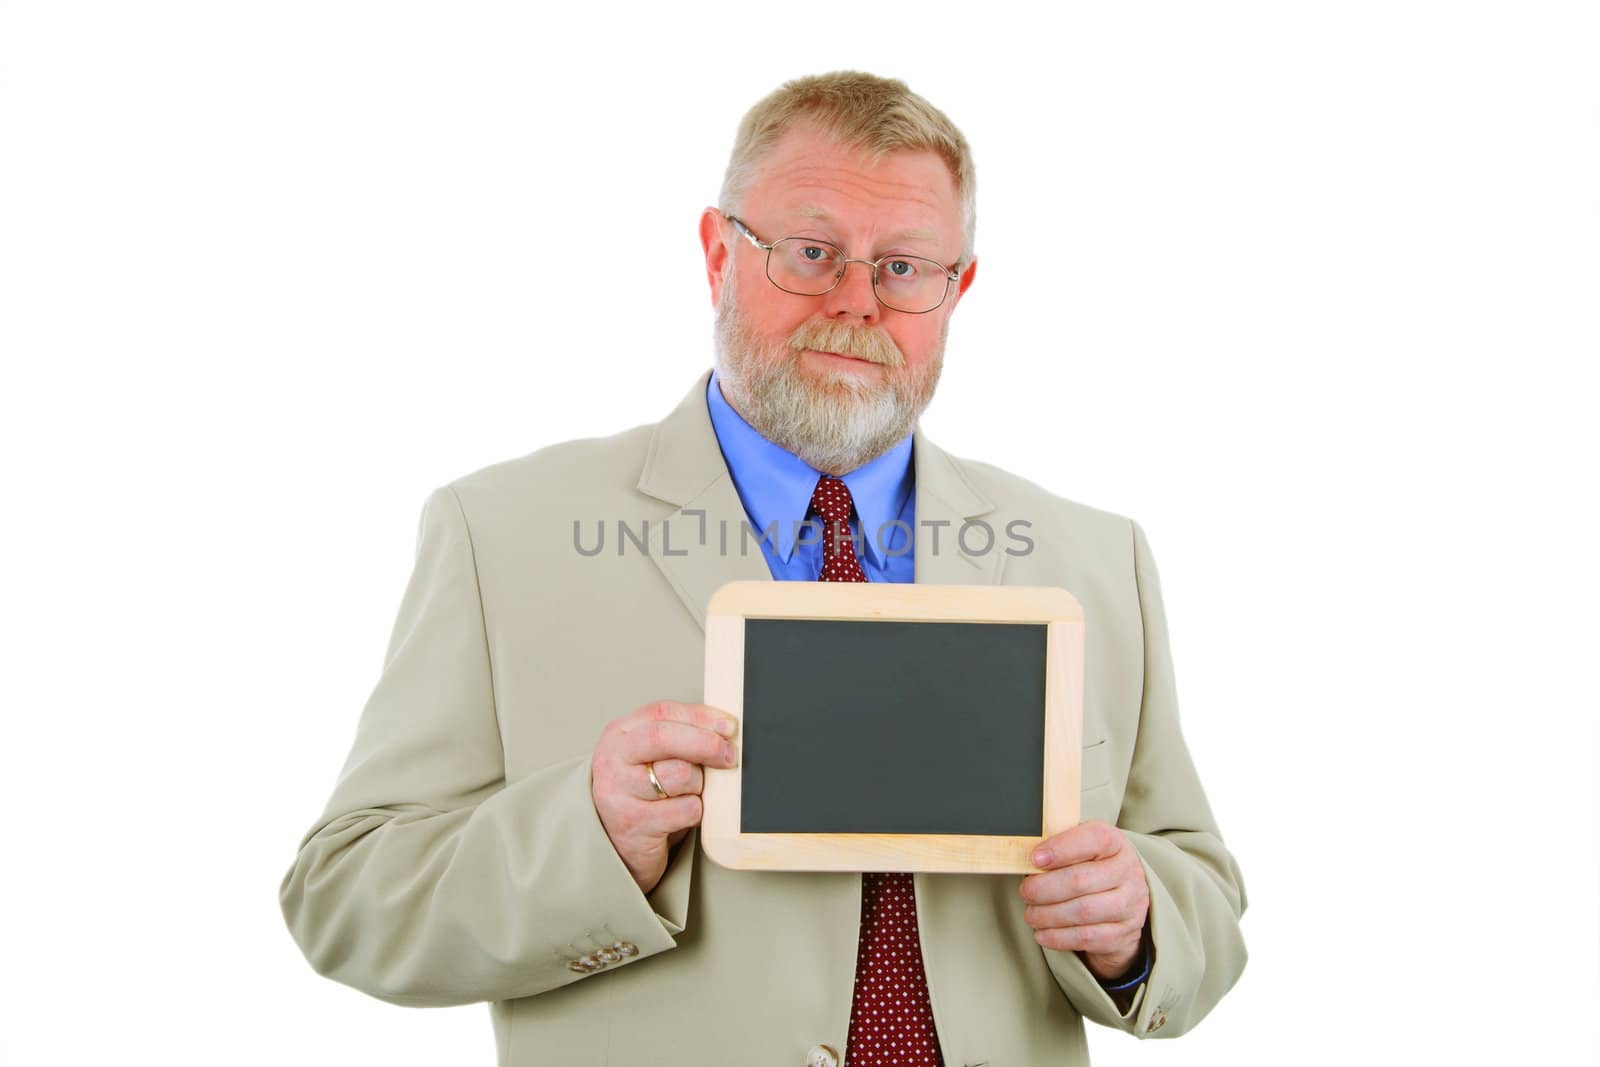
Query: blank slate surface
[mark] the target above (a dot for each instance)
(893, 727)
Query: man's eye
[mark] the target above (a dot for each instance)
(901, 268)
(814, 253)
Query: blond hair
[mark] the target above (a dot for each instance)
(861, 111)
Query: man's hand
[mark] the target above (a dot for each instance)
(1092, 897)
(679, 739)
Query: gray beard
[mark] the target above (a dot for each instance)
(836, 422)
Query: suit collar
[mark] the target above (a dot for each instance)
(683, 459)
(697, 554)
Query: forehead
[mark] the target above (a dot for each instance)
(809, 175)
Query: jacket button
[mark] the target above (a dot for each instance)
(822, 1056)
(609, 955)
(627, 948)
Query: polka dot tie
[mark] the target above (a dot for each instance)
(831, 500)
(891, 1019)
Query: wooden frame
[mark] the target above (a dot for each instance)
(1056, 608)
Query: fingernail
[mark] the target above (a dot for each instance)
(1042, 857)
(728, 755)
(726, 727)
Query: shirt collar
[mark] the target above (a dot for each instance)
(775, 485)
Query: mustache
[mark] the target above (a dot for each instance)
(863, 342)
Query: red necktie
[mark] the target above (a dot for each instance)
(891, 1020)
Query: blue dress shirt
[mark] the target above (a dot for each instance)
(775, 486)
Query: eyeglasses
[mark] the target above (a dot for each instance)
(806, 266)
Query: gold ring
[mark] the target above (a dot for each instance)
(661, 794)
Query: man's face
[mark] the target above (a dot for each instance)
(838, 378)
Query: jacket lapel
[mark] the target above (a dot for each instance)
(697, 554)
(946, 500)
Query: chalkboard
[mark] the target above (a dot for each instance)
(873, 721)
(893, 726)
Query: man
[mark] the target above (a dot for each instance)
(507, 829)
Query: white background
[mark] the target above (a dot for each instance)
(1308, 290)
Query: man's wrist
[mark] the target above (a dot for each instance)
(1136, 972)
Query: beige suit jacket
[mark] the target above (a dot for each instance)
(460, 858)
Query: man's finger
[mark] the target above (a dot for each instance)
(1069, 883)
(1084, 842)
(678, 777)
(663, 817)
(702, 715)
(1101, 937)
(1108, 907)
(667, 739)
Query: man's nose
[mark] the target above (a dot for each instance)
(853, 296)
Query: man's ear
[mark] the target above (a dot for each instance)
(713, 239)
(965, 281)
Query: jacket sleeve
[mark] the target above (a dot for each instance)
(1197, 895)
(428, 880)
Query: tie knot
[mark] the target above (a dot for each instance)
(831, 499)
